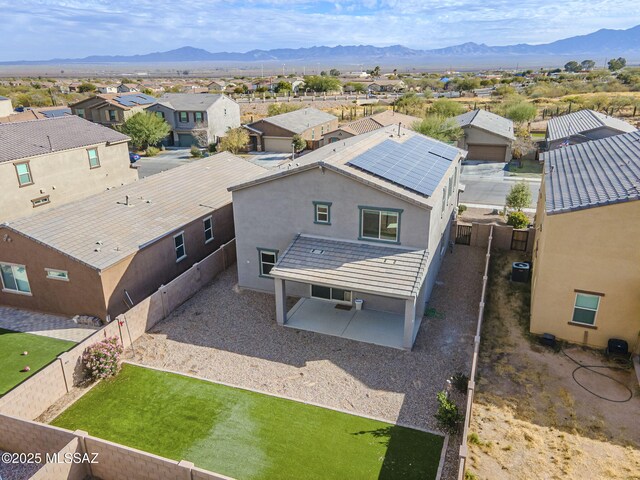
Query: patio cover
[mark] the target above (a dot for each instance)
(391, 271)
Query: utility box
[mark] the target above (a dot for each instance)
(520, 272)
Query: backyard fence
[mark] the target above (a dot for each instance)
(474, 363)
(505, 237)
(34, 396)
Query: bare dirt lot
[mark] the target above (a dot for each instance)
(531, 419)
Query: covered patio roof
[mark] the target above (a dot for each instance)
(376, 269)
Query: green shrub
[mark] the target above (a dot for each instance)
(461, 209)
(195, 151)
(517, 219)
(152, 151)
(212, 147)
(474, 439)
(448, 416)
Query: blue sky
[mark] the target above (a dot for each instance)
(42, 29)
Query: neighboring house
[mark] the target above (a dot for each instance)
(297, 84)
(111, 109)
(36, 113)
(74, 86)
(6, 107)
(92, 256)
(368, 124)
(367, 218)
(128, 88)
(275, 134)
(107, 88)
(583, 126)
(217, 85)
(387, 86)
(586, 274)
(196, 119)
(50, 162)
(487, 137)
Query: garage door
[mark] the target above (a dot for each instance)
(186, 140)
(277, 145)
(489, 153)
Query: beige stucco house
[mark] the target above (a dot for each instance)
(487, 137)
(586, 262)
(49, 162)
(96, 255)
(6, 107)
(110, 109)
(357, 229)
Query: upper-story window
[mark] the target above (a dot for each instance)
(183, 117)
(94, 161)
(113, 115)
(322, 213)
(80, 112)
(14, 278)
(380, 224)
(160, 114)
(24, 174)
(198, 116)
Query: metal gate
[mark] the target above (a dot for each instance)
(519, 240)
(463, 234)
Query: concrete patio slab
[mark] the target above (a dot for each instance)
(370, 326)
(44, 324)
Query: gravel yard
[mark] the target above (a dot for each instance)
(231, 336)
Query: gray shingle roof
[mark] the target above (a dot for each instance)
(593, 174)
(195, 102)
(158, 205)
(487, 121)
(40, 137)
(336, 156)
(299, 121)
(366, 268)
(581, 122)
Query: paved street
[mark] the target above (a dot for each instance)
(163, 161)
(489, 184)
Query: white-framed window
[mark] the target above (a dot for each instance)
(322, 213)
(207, 223)
(23, 170)
(380, 224)
(585, 309)
(181, 249)
(94, 161)
(268, 259)
(330, 293)
(14, 278)
(55, 274)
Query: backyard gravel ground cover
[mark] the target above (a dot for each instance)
(229, 335)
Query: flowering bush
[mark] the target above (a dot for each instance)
(102, 359)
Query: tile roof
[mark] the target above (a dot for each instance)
(487, 121)
(593, 174)
(125, 101)
(583, 121)
(336, 156)
(361, 267)
(298, 121)
(101, 230)
(40, 137)
(189, 101)
(382, 119)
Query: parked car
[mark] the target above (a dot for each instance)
(133, 157)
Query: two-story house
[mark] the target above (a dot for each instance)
(357, 229)
(583, 126)
(111, 109)
(275, 134)
(196, 119)
(586, 264)
(53, 161)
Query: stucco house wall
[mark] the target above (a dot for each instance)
(64, 176)
(590, 250)
(477, 136)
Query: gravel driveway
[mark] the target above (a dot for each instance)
(229, 335)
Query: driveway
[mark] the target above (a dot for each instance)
(487, 184)
(228, 335)
(163, 161)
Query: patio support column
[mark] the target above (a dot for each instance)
(281, 301)
(409, 322)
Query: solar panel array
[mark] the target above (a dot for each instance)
(135, 99)
(417, 164)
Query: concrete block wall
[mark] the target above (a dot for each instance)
(24, 436)
(64, 470)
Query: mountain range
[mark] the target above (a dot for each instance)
(604, 42)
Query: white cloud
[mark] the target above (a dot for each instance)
(35, 29)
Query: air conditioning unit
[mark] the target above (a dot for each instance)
(616, 346)
(520, 272)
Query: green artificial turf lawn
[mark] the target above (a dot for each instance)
(41, 351)
(247, 435)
